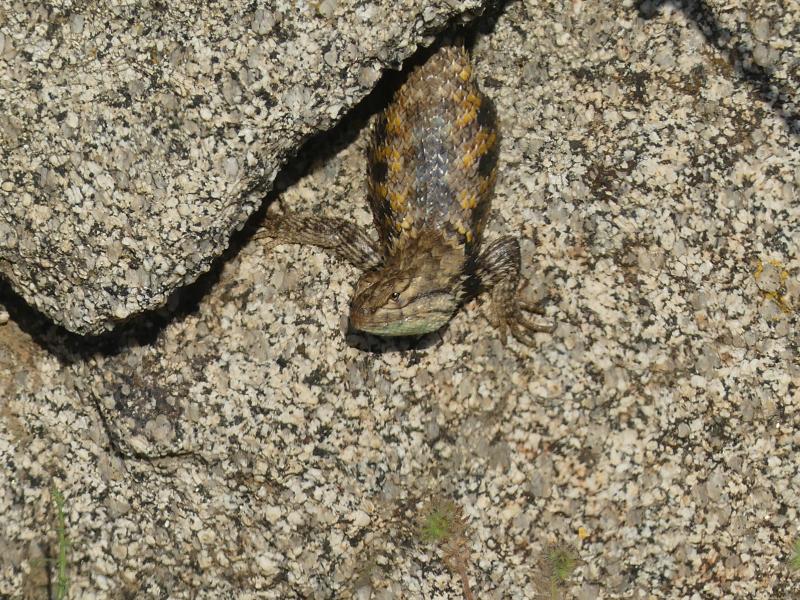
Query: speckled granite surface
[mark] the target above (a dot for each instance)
(137, 136)
(240, 444)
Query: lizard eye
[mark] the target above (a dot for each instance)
(395, 296)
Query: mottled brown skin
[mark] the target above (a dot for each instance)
(431, 170)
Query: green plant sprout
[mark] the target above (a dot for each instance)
(61, 579)
(794, 559)
(557, 564)
(443, 524)
(563, 562)
(442, 520)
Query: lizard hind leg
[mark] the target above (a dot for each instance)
(498, 269)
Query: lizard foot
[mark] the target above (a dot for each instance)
(510, 315)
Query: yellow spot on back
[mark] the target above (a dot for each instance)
(405, 224)
(468, 160)
(467, 199)
(394, 160)
(397, 200)
(467, 117)
(394, 122)
(485, 141)
(473, 100)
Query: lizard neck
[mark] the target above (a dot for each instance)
(428, 254)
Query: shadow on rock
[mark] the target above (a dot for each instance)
(739, 56)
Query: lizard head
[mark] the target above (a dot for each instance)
(414, 292)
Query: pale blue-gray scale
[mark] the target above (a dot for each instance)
(433, 200)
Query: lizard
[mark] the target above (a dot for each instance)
(431, 170)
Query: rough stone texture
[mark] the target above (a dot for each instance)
(137, 136)
(240, 444)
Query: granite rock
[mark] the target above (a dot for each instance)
(240, 443)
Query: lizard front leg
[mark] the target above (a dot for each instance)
(345, 239)
(498, 269)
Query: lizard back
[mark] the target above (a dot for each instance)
(432, 162)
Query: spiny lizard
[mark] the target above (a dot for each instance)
(431, 170)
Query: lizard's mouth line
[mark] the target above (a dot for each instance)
(406, 321)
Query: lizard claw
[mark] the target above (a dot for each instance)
(510, 316)
(524, 328)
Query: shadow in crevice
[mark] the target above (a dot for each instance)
(738, 54)
(144, 328)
